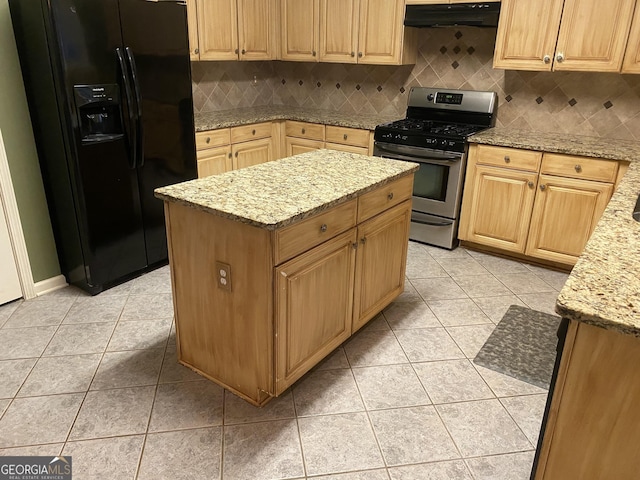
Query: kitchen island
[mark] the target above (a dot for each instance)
(274, 266)
(591, 429)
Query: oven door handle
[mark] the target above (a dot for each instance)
(420, 155)
(433, 224)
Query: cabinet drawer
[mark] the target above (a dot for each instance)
(300, 237)
(250, 132)
(212, 139)
(579, 167)
(347, 136)
(509, 158)
(312, 131)
(384, 197)
(347, 148)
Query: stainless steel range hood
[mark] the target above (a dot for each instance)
(483, 14)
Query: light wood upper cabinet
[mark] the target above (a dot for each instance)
(382, 37)
(232, 29)
(217, 29)
(565, 213)
(593, 35)
(299, 30)
(339, 30)
(580, 35)
(631, 63)
(527, 34)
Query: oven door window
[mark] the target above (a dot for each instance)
(431, 181)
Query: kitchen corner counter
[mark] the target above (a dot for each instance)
(604, 286)
(560, 143)
(246, 116)
(275, 194)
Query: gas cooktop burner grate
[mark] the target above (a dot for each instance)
(428, 127)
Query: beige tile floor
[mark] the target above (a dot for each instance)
(97, 378)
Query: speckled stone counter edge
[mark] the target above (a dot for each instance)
(604, 286)
(246, 116)
(560, 143)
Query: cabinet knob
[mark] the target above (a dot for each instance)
(507, 159)
(230, 155)
(578, 168)
(236, 154)
(363, 240)
(531, 184)
(353, 54)
(345, 136)
(560, 57)
(304, 131)
(313, 53)
(197, 50)
(546, 59)
(359, 54)
(543, 187)
(208, 140)
(390, 196)
(253, 132)
(354, 245)
(236, 51)
(244, 51)
(323, 227)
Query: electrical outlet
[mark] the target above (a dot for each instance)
(223, 273)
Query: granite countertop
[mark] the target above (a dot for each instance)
(246, 116)
(275, 194)
(604, 286)
(560, 143)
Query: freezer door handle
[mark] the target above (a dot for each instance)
(136, 90)
(132, 131)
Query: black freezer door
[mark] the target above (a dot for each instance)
(103, 178)
(156, 41)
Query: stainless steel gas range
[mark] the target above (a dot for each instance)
(434, 134)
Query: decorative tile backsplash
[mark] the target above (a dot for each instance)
(599, 104)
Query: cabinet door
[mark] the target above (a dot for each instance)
(256, 22)
(299, 29)
(527, 34)
(192, 24)
(381, 262)
(593, 35)
(381, 31)
(498, 212)
(631, 62)
(214, 161)
(314, 306)
(295, 145)
(339, 30)
(565, 213)
(251, 153)
(347, 148)
(218, 29)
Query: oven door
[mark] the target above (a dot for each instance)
(437, 185)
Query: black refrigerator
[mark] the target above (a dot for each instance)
(108, 84)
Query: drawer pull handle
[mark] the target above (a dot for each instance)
(507, 159)
(543, 187)
(531, 184)
(253, 132)
(345, 136)
(304, 131)
(208, 140)
(390, 196)
(323, 227)
(578, 168)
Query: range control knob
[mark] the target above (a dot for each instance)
(430, 97)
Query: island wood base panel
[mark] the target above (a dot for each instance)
(290, 296)
(592, 428)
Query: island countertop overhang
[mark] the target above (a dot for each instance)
(275, 194)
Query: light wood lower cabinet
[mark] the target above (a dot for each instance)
(545, 208)
(254, 152)
(294, 294)
(214, 161)
(295, 145)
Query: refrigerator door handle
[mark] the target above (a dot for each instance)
(127, 88)
(136, 89)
